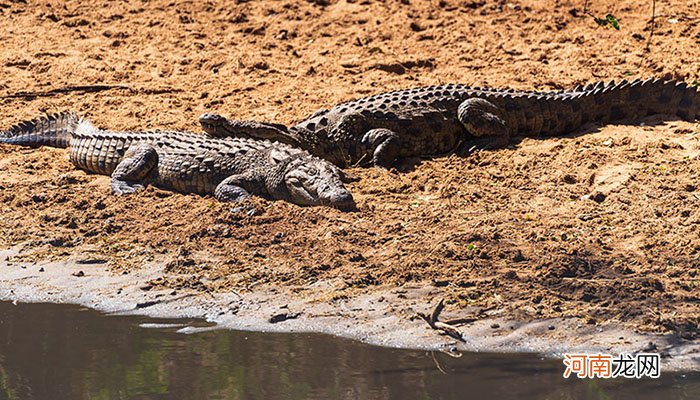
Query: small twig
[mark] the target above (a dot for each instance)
(91, 89)
(653, 22)
(461, 321)
(434, 321)
(67, 89)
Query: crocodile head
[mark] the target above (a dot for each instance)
(311, 181)
(214, 124)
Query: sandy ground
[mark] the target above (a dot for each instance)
(598, 227)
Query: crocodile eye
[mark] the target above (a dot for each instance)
(295, 182)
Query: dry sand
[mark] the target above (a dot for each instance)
(512, 234)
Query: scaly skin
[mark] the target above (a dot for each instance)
(229, 169)
(435, 120)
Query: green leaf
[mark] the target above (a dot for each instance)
(610, 19)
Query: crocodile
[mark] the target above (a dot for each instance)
(436, 120)
(230, 169)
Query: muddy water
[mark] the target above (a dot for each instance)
(68, 352)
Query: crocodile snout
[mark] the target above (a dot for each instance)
(211, 122)
(340, 199)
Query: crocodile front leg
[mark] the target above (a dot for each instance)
(482, 119)
(237, 188)
(384, 146)
(132, 170)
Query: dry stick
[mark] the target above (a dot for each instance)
(585, 11)
(434, 322)
(653, 19)
(90, 89)
(67, 89)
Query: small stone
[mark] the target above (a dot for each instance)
(518, 257)
(278, 238)
(261, 65)
(57, 242)
(78, 274)
(257, 254)
(599, 197)
(349, 64)
(651, 346)
(585, 217)
(415, 27)
(512, 275)
(551, 327)
(690, 187)
(282, 35)
(569, 179)
(495, 326)
(357, 258)
(283, 317)
(41, 269)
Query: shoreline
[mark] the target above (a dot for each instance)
(385, 317)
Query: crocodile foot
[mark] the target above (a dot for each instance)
(120, 187)
(482, 119)
(384, 146)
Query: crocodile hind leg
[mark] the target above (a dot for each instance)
(132, 170)
(384, 146)
(483, 120)
(236, 188)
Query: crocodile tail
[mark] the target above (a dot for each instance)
(626, 100)
(52, 130)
